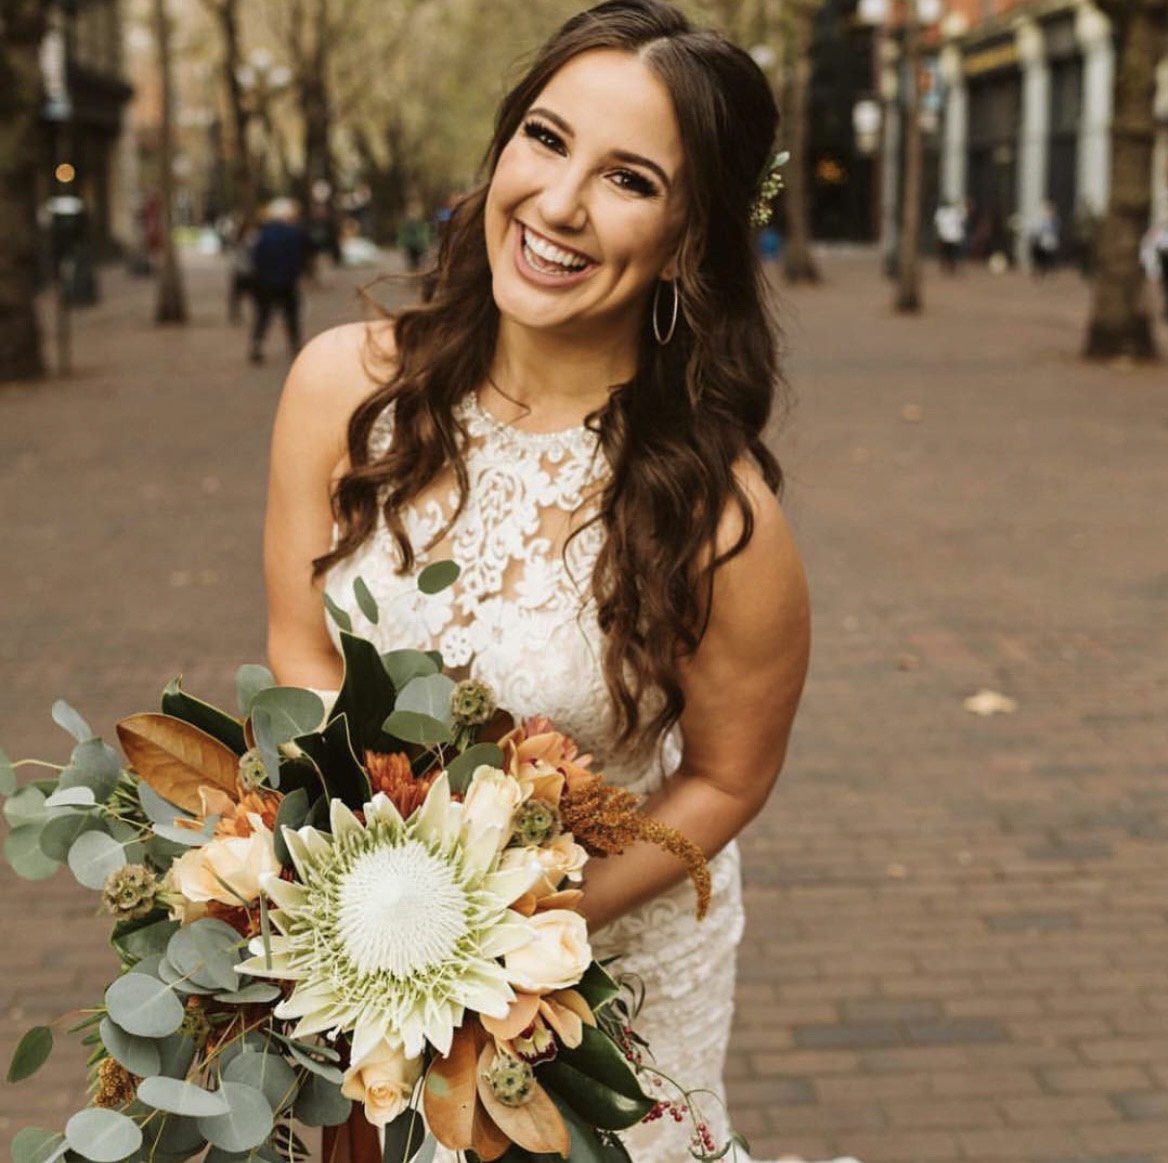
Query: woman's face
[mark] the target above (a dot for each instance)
(586, 207)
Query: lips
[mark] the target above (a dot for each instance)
(545, 279)
(552, 242)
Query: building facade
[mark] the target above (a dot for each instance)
(1027, 91)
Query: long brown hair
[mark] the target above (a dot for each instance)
(672, 434)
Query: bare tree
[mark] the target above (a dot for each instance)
(171, 303)
(22, 28)
(1120, 322)
(799, 264)
(908, 266)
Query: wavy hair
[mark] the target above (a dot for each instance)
(674, 432)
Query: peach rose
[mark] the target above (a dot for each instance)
(383, 1080)
(556, 958)
(240, 861)
(560, 858)
(491, 801)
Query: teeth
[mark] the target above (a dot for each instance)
(550, 253)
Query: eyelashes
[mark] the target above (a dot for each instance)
(535, 130)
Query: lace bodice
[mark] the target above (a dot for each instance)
(521, 615)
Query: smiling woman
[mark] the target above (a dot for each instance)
(574, 414)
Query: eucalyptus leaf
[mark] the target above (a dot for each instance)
(72, 797)
(102, 1135)
(96, 765)
(93, 856)
(180, 1097)
(459, 770)
(177, 1052)
(70, 720)
(247, 1123)
(292, 711)
(7, 784)
(320, 1103)
(255, 994)
(404, 665)
(158, 810)
(33, 1145)
(427, 696)
(411, 727)
(338, 615)
(22, 850)
(206, 951)
(138, 1055)
(184, 983)
(319, 1069)
(264, 730)
(128, 836)
(26, 806)
(269, 1072)
(144, 1006)
(31, 1053)
(187, 837)
(365, 600)
(250, 679)
(142, 938)
(171, 1137)
(437, 576)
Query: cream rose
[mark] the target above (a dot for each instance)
(240, 861)
(563, 857)
(383, 1080)
(491, 801)
(557, 956)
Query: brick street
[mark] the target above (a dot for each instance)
(956, 944)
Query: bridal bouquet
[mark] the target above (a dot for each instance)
(315, 906)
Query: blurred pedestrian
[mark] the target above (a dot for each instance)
(413, 235)
(1156, 260)
(1045, 239)
(949, 223)
(280, 255)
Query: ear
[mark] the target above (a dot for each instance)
(671, 270)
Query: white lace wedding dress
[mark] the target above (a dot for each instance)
(518, 617)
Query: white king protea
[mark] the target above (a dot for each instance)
(395, 926)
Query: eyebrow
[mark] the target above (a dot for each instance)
(623, 155)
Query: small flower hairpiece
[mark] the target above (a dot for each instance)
(769, 186)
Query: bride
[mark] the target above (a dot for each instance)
(574, 414)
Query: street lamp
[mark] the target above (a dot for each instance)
(867, 121)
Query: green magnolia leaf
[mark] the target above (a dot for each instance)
(403, 665)
(31, 1053)
(70, 720)
(96, 765)
(320, 1103)
(247, 1123)
(217, 723)
(33, 1145)
(22, 850)
(291, 710)
(93, 856)
(269, 1072)
(411, 727)
(597, 1081)
(338, 615)
(332, 752)
(597, 987)
(139, 1056)
(144, 1006)
(366, 694)
(180, 1097)
(365, 600)
(459, 770)
(101, 1135)
(427, 696)
(7, 787)
(250, 679)
(290, 814)
(586, 1145)
(437, 576)
(404, 1137)
(26, 806)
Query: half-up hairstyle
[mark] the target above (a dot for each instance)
(673, 433)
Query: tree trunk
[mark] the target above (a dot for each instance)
(1120, 323)
(171, 304)
(908, 274)
(316, 107)
(798, 262)
(22, 28)
(242, 166)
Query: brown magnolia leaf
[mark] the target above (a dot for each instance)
(519, 1017)
(536, 1126)
(449, 1094)
(526, 904)
(176, 758)
(488, 1143)
(500, 724)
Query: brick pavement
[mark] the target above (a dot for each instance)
(957, 946)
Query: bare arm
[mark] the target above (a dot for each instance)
(742, 688)
(309, 451)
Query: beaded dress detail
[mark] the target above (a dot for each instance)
(520, 616)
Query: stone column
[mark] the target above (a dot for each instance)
(954, 160)
(1033, 132)
(1093, 32)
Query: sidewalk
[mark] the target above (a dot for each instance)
(956, 944)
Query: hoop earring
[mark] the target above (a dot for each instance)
(672, 284)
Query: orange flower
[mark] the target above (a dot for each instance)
(392, 775)
(544, 759)
(233, 813)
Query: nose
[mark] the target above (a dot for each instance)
(562, 201)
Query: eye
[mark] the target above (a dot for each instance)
(637, 183)
(537, 131)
